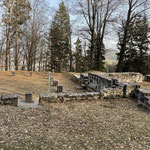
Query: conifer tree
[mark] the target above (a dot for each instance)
(99, 54)
(78, 56)
(137, 45)
(60, 35)
(142, 42)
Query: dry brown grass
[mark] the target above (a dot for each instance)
(101, 125)
(22, 82)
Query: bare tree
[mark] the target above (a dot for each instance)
(97, 15)
(7, 18)
(34, 33)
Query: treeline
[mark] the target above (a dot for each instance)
(33, 40)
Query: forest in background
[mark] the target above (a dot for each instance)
(36, 37)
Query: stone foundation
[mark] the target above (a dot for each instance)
(9, 99)
(130, 77)
(64, 97)
(98, 82)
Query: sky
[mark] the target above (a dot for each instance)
(109, 43)
(54, 3)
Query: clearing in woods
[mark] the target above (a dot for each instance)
(22, 82)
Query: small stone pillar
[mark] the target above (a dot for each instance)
(13, 73)
(31, 74)
(55, 83)
(59, 88)
(28, 97)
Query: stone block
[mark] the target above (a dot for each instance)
(28, 97)
(59, 88)
(9, 99)
(55, 83)
(31, 74)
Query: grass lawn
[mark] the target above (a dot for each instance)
(104, 124)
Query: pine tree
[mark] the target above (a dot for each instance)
(60, 35)
(78, 56)
(99, 54)
(129, 52)
(142, 42)
(137, 45)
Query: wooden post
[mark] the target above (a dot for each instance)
(49, 78)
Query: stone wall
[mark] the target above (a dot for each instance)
(98, 82)
(119, 91)
(130, 77)
(9, 99)
(64, 97)
(106, 93)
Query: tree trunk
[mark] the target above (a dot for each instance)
(70, 56)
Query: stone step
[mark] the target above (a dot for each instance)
(146, 92)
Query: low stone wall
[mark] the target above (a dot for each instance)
(130, 77)
(64, 97)
(9, 99)
(121, 91)
(90, 96)
(98, 82)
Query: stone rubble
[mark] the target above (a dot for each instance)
(142, 96)
(9, 99)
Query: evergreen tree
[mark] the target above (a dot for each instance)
(60, 35)
(130, 52)
(141, 38)
(137, 45)
(99, 54)
(78, 56)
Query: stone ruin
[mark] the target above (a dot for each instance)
(9, 99)
(15, 100)
(142, 96)
(98, 85)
